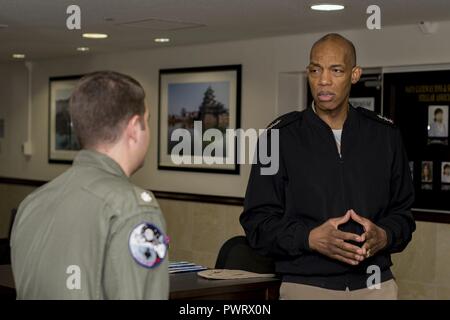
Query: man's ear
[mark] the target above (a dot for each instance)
(356, 74)
(133, 127)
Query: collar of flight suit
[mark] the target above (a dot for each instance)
(91, 158)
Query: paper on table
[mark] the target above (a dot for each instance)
(184, 266)
(226, 274)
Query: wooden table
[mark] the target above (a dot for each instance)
(188, 286)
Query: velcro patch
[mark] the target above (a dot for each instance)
(148, 245)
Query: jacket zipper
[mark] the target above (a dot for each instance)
(344, 199)
(341, 168)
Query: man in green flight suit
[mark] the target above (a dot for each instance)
(90, 233)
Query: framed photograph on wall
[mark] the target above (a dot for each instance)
(63, 144)
(363, 102)
(197, 107)
(438, 124)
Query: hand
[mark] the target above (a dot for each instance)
(331, 242)
(376, 237)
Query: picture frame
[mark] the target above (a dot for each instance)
(62, 142)
(363, 102)
(193, 101)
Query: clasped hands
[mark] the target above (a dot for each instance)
(328, 240)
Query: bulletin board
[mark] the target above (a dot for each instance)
(419, 104)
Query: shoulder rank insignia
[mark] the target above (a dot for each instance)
(284, 120)
(375, 116)
(145, 198)
(273, 124)
(385, 119)
(148, 245)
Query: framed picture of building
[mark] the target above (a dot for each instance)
(63, 144)
(198, 109)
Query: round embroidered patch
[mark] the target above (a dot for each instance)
(148, 245)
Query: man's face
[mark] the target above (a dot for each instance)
(439, 117)
(331, 74)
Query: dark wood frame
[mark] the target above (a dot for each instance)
(50, 80)
(238, 70)
(232, 201)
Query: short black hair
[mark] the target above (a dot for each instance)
(438, 110)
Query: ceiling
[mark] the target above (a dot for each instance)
(38, 27)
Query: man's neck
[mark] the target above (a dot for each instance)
(117, 154)
(333, 118)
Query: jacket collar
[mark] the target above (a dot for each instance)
(91, 158)
(350, 122)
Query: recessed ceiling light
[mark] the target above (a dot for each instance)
(162, 40)
(83, 49)
(18, 56)
(327, 7)
(95, 35)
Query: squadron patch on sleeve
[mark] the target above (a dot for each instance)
(148, 245)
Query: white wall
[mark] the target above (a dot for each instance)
(262, 59)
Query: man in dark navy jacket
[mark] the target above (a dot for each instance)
(339, 205)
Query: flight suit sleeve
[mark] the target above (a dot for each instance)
(399, 222)
(135, 267)
(267, 229)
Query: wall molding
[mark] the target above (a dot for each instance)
(226, 200)
(419, 214)
(179, 196)
(22, 182)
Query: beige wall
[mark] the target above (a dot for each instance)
(198, 230)
(423, 269)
